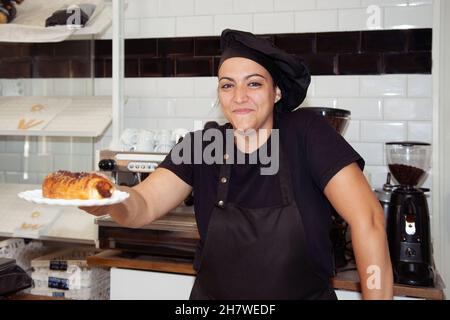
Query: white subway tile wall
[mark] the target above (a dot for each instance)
(156, 28)
(319, 102)
(385, 86)
(280, 22)
(294, 5)
(169, 18)
(316, 21)
(204, 87)
(373, 153)
(74, 162)
(420, 131)
(208, 7)
(11, 162)
(403, 3)
(331, 86)
(362, 108)
(2, 145)
(251, 6)
(408, 109)
(198, 25)
(332, 4)
(413, 16)
(132, 27)
(383, 130)
(357, 19)
(43, 157)
(175, 8)
(242, 22)
(19, 177)
(141, 8)
(418, 88)
(419, 2)
(384, 108)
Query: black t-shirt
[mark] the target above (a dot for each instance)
(315, 152)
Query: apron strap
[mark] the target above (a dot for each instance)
(284, 177)
(224, 182)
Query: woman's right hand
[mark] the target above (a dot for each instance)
(104, 210)
(159, 193)
(97, 210)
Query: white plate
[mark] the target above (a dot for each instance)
(36, 197)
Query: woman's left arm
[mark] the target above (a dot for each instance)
(352, 197)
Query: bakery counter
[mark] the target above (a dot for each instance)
(19, 218)
(349, 281)
(140, 266)
(163, 254)
(137, 261)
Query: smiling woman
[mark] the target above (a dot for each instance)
(247, 94)
(267, 236)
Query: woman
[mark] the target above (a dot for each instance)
(266, 236)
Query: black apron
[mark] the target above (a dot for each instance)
(256, 253)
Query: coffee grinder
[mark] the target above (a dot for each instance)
(338, 119)
(408, 225)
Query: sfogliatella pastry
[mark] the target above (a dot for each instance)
(76, 185)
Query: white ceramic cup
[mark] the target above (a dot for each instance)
(129, 139)
(145, 141)
(164, 141)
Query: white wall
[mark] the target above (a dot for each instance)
(180, 18)
(384, 107)
(441, 140)
(388, 107)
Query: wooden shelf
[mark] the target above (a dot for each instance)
(84, 116)
(117, 259)
(28, 296)
(347, 280)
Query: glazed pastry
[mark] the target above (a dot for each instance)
(76, 185)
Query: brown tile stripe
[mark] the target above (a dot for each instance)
(328, 53)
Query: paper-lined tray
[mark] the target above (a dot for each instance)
(55, 116)
(70, 225)
(37, 222)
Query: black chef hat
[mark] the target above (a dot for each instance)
(288, 71)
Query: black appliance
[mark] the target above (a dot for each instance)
(338, 119)
(12, 278)
(173, 236)
(384, 196)
(408, 225)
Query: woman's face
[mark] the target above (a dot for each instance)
(247, 94)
